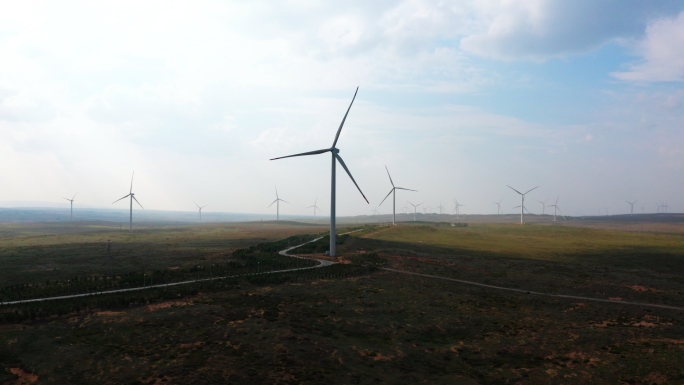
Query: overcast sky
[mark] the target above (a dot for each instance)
(583, 98)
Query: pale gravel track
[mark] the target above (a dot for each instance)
(322, 263)
(523, 291)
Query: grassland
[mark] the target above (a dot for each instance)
(375, 326)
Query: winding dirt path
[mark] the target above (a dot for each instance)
(522, 291)
(322, 263)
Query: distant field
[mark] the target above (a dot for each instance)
(379, 326)
(40, 251)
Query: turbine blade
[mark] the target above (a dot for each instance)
(272, 203)
(339, 158)
(197, 205)
(342, 124)
(132, 182)
(386, 196)
(136, 201)
(74, 196)
(276, 188)
(407, 189)
(70, 199)
(530, 190)
(121, 198)
(303, 154)
(282, 200)
(514, 190)
(388, 174)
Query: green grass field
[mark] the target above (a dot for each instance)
(358, 324)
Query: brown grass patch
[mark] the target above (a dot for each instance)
(24, 376)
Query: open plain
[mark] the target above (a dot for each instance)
(353, 322)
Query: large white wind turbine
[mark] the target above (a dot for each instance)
(132, 195)
(393, 191)
(200, 210)
(522, 203)
(556, 208)
(414, 209)
(498, 206)
(335, 156)
(631, 205)
(457, 208)
(314, 207)
(277, 202)
(72, 205)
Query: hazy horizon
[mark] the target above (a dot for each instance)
(457, 99)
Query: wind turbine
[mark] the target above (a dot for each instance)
(555, 207)
(200, 211)
(277, 202)
(498, 206)
(522, 203)
(414, 209)
(335, 158)
(314, 207)
(72, 205)
(457, 208)
(440, 207)
(393, 191)
(132, 195)
(631, 205)
(543, 206)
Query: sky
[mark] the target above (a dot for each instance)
(458, 99)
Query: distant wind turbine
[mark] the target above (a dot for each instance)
(277, 202)
(200, 211)
(335, 158)
(72, 205)
(522, 203)
(631, 205)
(498, 206)
(314, 207)
(457, 208)
(440, 207)
(555, 207)
(543, 206)
(414, 209)
(132, 195)
(393, 191)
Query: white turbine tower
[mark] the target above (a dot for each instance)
(132, 195)
(72, 205)
(200, 211)
(393, 191)
(314, 207)
(522, 203)
(498, 206)
(277, 202)
(555, 207)
(543, 206)
(631, 205)
(414, 209)
(335, 158)
(457, 208)
(440, 207)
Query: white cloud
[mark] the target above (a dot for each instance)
(541, 29)
(662, 52)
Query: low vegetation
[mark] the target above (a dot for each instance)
(356, 323)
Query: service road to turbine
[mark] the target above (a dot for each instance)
(323, 263)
